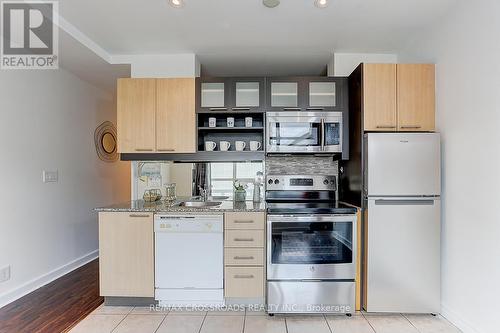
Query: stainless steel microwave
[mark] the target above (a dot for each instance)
(304, 132)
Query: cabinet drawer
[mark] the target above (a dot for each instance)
(244, 238)
(244, 256)
(244, 282)
(244, 221)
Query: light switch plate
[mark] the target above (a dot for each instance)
(50, 176)
(5, 274)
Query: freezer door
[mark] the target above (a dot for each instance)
(403, 255)
(402, 164)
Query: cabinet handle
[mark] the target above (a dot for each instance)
(240, 109)
(243, 239)
(408, 127)
(386, 126)
(243, 221)
(143, 149)
(139, 215)
(292, 109)
(314, 109)
(243, 258)
(166, 149)
(218, 109)
(249, 276)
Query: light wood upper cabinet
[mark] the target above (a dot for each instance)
(399, 97)
(379, 97)
(156, 115)
(126, 254)
(416, 97)
(175, 115)
(136, 115)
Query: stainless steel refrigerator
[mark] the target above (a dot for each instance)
(402, 187)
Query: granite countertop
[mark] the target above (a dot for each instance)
(162, 206)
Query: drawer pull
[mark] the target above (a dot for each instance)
(166, 149)
(243, 258)
(239, 276)
(243, 221)
(143, 149)
(218, 109)
(243, 239)
(386, 126)
(240, 109)
(409, 127)
(139, 215)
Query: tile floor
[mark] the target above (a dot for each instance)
(107, 319)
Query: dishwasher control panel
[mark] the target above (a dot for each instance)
(189, 223)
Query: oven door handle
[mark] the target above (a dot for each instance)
(313, 218)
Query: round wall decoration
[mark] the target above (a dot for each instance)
(105, 142)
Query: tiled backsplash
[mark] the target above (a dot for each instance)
(301, 165)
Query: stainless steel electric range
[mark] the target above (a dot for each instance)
(311, 246)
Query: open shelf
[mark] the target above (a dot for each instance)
(231, 128)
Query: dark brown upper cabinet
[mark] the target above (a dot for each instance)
(306, 93)
(230, 94)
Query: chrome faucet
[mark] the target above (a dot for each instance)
(203, 193)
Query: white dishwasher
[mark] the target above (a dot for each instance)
(189, 260)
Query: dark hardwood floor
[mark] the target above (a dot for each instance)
(56, 307)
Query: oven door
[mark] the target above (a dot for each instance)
(313, 247)
(290, 132)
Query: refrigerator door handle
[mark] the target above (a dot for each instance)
(404, 202)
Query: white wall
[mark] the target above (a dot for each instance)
(465, 45)
(345, 63)
(161, 65)
(47, 121)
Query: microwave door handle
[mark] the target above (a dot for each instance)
(322, 134)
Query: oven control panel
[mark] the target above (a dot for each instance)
(301, 182)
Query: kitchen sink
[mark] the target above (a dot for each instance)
(219, 197)
(214, 197)
(200, 204)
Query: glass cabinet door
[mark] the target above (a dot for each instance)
(247, 94)
(311, 243)
(322, 94)
(212, 95)
(284, 94)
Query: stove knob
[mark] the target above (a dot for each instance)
(326, 182)
(270, 181)
(276, 182)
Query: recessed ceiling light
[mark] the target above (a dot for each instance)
(271, 3)
(176, 3)
(321, 3)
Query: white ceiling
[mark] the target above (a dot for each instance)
(82, 62)
(244, 37)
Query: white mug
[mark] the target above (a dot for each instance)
(240, 145)
(212, 122)
(248, 121)
(255, 145)
(230, 122)
(224, 145)
(210, 146)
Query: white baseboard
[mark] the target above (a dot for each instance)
(457, 320)
(38, 282)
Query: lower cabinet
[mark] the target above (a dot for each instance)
(126, 254)
(244, 281)
(244, 268)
